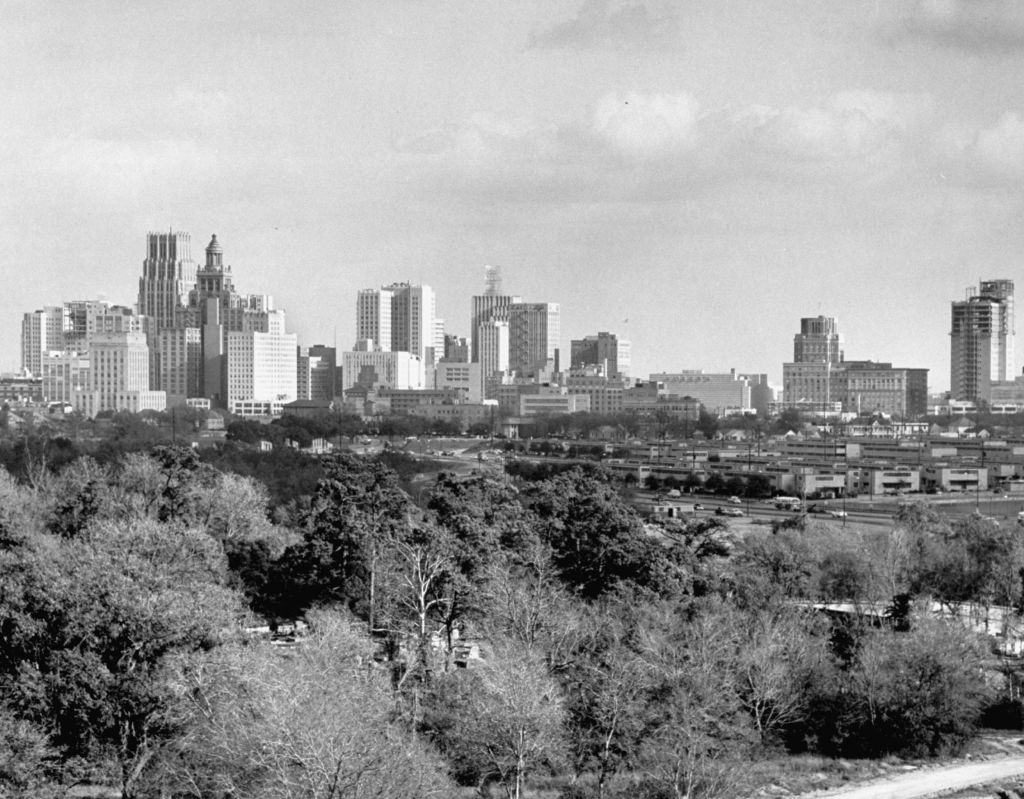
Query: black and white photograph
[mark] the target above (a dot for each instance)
(511, 399)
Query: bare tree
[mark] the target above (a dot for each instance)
(313, 725)
(513, 723)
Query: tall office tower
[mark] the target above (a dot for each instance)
(168, 275)
(492, 305)
(439, 339)
(810, 379)
(317, 368)
(181, 361)
(261, 367)
(118, 376)
(401, 318)
(981, 340)
(373, 318)
(605, 350)
(413, 311)
(818, 341)
(41, 331)
(492, 338)
(534, 330)
(213, 310)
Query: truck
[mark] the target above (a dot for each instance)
(787, 503)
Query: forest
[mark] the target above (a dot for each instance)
(501, 636)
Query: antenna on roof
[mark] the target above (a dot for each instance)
(492, 280)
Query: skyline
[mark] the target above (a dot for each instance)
(713, 174)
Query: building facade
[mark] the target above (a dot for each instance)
(981, 337)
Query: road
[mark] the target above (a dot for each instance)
(932, 782)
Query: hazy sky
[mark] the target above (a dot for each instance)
(710, 171)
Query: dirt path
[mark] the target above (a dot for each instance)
(932, 782)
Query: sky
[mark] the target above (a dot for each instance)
(695, 176)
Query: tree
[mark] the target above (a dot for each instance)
(29, 764)
(91, 625)
(315, 724)
(356, 508)
(598, 543)
(780, 652)
(696, 730)
(606, 688)
(919, 692)
(510, 724)
(481, 519)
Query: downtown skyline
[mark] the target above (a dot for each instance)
(713, 174)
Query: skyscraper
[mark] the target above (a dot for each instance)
(490, 306)
(981, 340)
(817, 352)
(41, 331)
(534, 330)
(400, 318)
(168, 275)
(818, 341)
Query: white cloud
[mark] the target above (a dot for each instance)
(599, 24)
(1001, 147)
(647, 124)
(646, 147)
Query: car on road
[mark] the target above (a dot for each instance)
(728, 511)
(735, 500)
(838, 514)
(698, 506)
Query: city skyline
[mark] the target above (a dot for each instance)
(712, 173)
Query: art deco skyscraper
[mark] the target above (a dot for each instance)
(817, 352)
(168, 275)
(981, 340)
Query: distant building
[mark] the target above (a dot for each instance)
(168, 277)
(64, 373)
(401, 317)
(604, 350)
(317, 370)
(491, 306)
(261, 367)
(981, 340)
(463, 378)
(820, 380)
(118, 376)
(552, 401)
(41, 332)
(762, 395)
(534, 334)
(376, 369)
(456, 349)
(718, 393)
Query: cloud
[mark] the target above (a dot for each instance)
(647, 124)
(656, 147)
(969, 25)
(987, 156)
(112, 168)
(599, 25)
